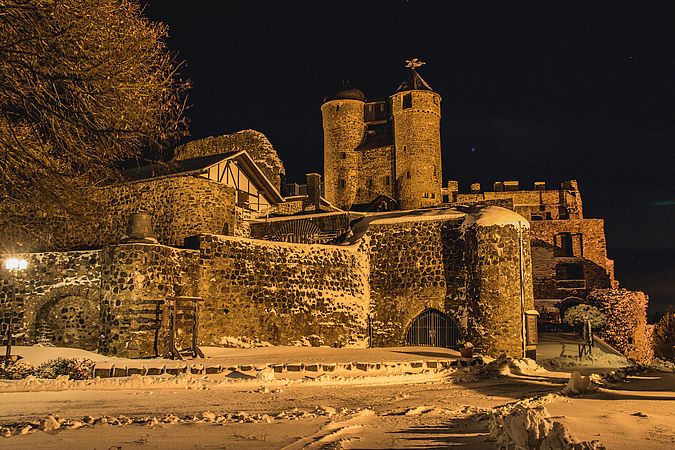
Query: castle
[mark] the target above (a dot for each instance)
(383, 148)
(380, 253)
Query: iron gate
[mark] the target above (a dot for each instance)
(433, 328)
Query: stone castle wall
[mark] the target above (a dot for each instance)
(591, 254)
(411, 263)
(180, 207)
(564, 203)
(280, 292)
(57, 299)
(377, 167)
(136, 279)
(467, 267)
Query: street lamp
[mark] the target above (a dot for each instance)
(13, 265)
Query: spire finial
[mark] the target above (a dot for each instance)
(414, 63)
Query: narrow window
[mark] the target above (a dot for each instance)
(407, 101)
(405, 148)
(435, 171)
(564, 244)
(337, 108)
(433, 195)
(343, 155)
(341, 183)
(407, 174)
(426, 195)
(370, 182)
(386, 180)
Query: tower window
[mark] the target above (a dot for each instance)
(407, 174)
(369, 183)
(343, 155)
(433, 195)
(341, 183)
(405, 148)
(407, 101)
(387, 181)
(337, 108)
(435, 174)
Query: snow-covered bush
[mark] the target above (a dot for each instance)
(76, 369)
(15, 370)
(580, 314)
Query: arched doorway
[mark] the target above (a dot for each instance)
(433, 328)
(68, 321)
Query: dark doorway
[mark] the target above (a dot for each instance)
(433, 328)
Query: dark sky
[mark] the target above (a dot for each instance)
(542, 91)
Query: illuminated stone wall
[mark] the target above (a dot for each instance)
(411, 263)
(180, 207)
(589, 251)
(135, 281)
(466, 267)
(52, 295)
(280, 293)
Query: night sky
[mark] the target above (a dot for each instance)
(543, 91)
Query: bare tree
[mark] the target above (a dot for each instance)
(83, 84)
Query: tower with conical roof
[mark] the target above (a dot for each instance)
(416, 122)
(383, 153)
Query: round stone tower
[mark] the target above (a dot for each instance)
(416, 113)
(343, 130)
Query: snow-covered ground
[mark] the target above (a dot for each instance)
(423, 408)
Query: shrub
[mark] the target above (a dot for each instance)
(76, 369)
(16, 370)
(578, 315)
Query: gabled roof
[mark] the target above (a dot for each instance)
(414, 82)
(175, 167)
(200, 165)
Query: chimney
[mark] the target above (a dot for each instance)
(314, 190)
(539, 185)
(475, 188)
(453, 189)
(498, 186)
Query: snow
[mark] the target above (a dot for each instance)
(418, 216)
(494, 215)
(398, 406)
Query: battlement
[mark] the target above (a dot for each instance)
(538, 203)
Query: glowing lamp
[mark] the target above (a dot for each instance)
(16, 264)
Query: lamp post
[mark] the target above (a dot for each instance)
(13, 265)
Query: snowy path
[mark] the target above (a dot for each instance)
(403, 415)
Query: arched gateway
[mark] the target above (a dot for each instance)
(433, 328)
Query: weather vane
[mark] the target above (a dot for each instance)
(413, 63)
